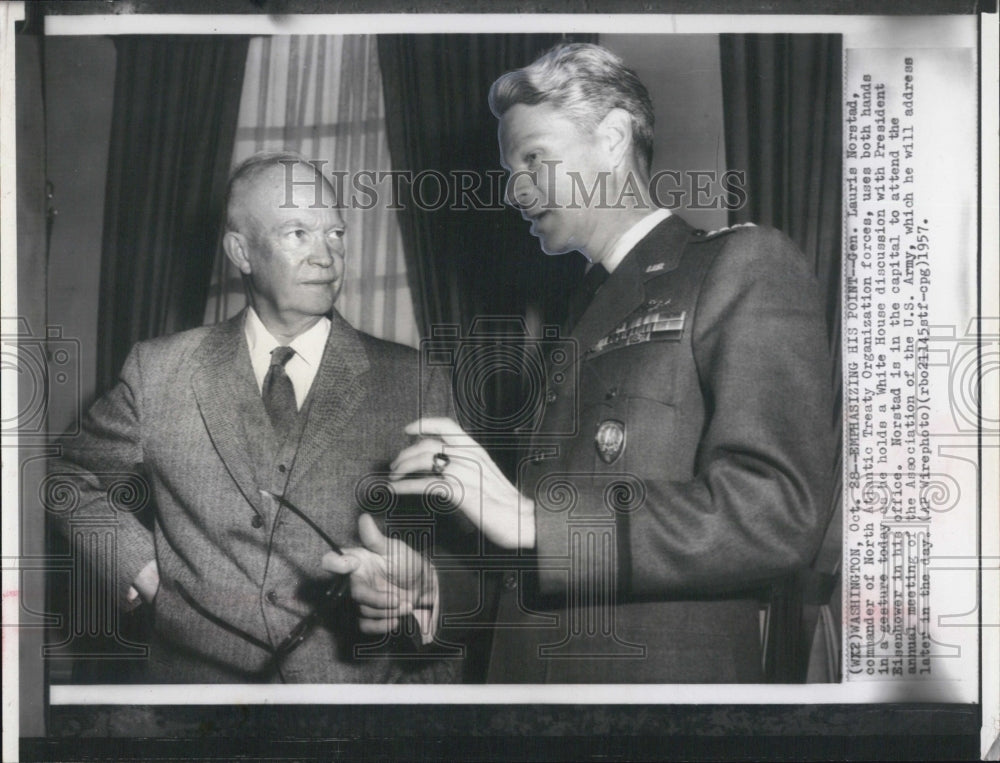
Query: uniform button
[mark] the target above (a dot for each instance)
(550, 396)
(272, 597)
(282, 468)
(611, 394)
(257, 521)
(510, 581)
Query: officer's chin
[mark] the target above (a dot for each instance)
(554, 248)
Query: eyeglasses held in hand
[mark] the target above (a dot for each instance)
(333, 593)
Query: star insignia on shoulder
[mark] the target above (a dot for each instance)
(703, 235)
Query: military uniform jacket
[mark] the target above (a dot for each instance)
(188, 412)
(687, 461)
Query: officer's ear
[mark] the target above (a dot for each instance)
(235, 246)
(616, 131)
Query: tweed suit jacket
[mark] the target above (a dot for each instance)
(188, 414)
(696, 463)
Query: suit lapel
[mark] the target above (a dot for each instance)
(229, 401)
(624, 291)
(337, 393)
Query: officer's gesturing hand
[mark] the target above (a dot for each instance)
(478, 487)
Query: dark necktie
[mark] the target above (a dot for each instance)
(584, 293)
(278, 393)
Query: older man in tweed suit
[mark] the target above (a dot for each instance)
(285, 400)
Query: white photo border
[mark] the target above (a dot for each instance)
(858, 31)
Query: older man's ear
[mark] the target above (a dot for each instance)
(234, 244)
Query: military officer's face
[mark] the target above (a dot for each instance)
(293, 248)
(556, 168)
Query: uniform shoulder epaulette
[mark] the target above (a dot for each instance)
(706, 235)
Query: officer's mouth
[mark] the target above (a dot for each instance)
(535, 220)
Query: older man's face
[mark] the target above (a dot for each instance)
(295, 248)
(554, 164)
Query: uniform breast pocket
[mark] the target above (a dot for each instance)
(643, 370)
(649, 431)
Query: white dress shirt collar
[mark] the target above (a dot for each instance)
(301, 367)
(633, 236)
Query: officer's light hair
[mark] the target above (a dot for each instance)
(586, 81)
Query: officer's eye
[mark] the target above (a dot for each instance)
(336, 233)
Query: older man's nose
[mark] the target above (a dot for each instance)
(322, 255)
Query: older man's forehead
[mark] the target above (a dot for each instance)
(312, 188)
(305, 177)
(294, 186)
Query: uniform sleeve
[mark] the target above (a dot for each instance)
(101, 467)
(759, 498)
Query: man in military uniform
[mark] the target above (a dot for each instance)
(698, 463)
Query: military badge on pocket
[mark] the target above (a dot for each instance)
(610, 440)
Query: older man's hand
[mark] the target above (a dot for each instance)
(478, 487)
(389, 580)
(146, 583)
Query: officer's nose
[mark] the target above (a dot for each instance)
(520, 191)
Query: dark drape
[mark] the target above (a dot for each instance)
(472, 257)
(781, 96)
(175, 109)
(469, 263)
(463, 263)
(782, 104)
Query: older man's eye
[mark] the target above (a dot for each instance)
(336, 233)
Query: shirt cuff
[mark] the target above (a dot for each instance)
(132, 600)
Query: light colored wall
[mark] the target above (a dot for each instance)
(684, 78)
(79, 91)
